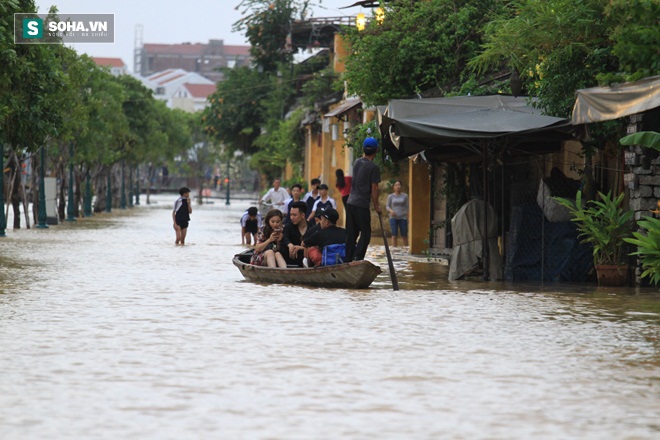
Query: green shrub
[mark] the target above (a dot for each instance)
(648, 247)
(603, 224)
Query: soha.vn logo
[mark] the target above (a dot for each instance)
(33, 28)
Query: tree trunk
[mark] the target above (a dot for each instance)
(61, 203)
(15, 189)
(35, 190)
(78, 194)
(100, 186)
(151, 174)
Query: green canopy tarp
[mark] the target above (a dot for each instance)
(458, 126)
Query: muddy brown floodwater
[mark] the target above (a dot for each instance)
(109, 331)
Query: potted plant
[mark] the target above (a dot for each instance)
(648, 246)
(605, 225)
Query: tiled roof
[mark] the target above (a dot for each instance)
(172, 78)
(158, 75)
(200, 90)
(237, 50)
(111, 62)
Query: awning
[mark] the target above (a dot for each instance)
(343, 108)
(458, 126)
(607, 103)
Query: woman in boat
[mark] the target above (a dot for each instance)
(267, 248)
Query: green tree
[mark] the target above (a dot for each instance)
(235, 116)
(268, 27)
(636, 36)
(419, 46)
(557, 46)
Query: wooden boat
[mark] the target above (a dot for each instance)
(353, 275)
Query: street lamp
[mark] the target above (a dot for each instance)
(360, 21)
(379, 13)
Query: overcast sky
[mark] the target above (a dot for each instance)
(168, 21)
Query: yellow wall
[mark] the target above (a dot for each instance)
(339, 54)
(313, 156)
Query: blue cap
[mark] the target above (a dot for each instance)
(370, 145)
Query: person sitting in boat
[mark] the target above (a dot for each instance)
(293, 233)
(328, 234)
(296, 191)
(269, 241)
(313, 228)
(250, 224)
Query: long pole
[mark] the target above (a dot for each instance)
(395, 283)
(228, 182)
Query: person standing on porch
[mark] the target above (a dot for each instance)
(364, 191)
(397, 206)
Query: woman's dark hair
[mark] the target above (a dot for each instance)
(272, 213)
(184, 190)
(341, 182)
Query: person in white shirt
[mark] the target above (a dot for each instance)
(324, 201)
(276, 195)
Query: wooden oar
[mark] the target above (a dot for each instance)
(395, 283)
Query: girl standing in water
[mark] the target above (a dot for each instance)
(181, 215)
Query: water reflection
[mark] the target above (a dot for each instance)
(110, 331)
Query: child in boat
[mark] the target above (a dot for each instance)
(250, 224)
(267, 249)
(181, 215)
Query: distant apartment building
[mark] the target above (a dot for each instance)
(116, 65)
(203, 59)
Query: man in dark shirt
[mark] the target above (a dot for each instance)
(364, 189)
(328, 234)
(293, 233)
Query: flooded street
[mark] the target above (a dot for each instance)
(109, 331)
